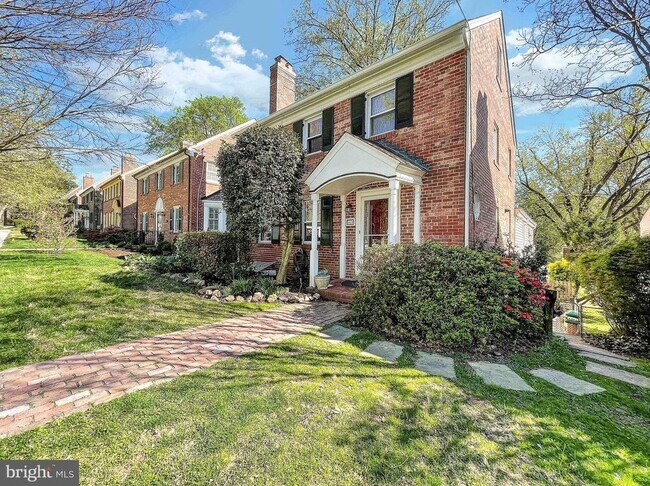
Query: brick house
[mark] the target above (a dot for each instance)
(180, 191)
(119, 196)
(92, 199)
(78, 204)
(418, 146)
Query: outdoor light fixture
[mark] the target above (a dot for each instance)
(348, 209)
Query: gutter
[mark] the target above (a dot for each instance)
(468, 129)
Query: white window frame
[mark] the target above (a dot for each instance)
(211, 176)
(264, 241)
(369, 96)
(305, 132)
(176, 173)
(144, 221)
(160, 180)
(177, 219)
(307, 221)
(221, 218)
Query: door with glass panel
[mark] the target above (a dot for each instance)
(372, 221)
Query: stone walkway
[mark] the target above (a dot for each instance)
(499, 374)
(4, 232)
(35, 394)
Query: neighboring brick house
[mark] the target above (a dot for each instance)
(419, 146)
(92, 199)
(78, 205)
(176, 190)
(119, 196)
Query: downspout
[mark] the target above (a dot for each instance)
(189, 191)
(468, 129)
(204, 169)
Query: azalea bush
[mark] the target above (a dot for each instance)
(451, 296)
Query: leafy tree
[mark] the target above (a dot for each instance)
(592, 185)
(261, 177)
(54, 225)
(344, 36)
(201, 118)
(75, 73)
(607, 43)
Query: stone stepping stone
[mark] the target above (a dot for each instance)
(567, 382)
(436, 365)
(622, 375)
(383, 350)
(339, 333)
(607, 359)
(500, 375)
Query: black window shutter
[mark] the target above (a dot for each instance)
(171, 219)
(297, 234)
(181, 167)
(358, 115)
(326, 220)
(180, 219)
(297, 129)
(328, 128)
(404, 101)
(275, 235)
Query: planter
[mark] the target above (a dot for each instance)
(322, 281)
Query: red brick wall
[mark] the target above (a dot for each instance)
(490, 105)
(129, 203)
(437, 137)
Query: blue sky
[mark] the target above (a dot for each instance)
(225, 47)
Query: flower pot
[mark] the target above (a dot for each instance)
(322, 281)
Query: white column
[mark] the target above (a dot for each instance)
(343, 235)
(417, 196)
(393, 212)
(313, 254)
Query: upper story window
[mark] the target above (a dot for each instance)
(160, 179)
(382, 112)
(176, 219)
(177, 173)
(211, 173)
(314, 135)
(145, 185)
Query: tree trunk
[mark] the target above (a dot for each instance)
(289, 231)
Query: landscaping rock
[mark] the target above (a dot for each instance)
(500, 375)
(316, 296)
(204, 291)
(239, 298)
(258, 297)
(435, 364)
(214, 297)
(217, 292)
(339, 333)
(272, 298)
(567, 382)
(607, 359)
(230, 298)
(622, 375)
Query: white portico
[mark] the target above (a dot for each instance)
(351, 164)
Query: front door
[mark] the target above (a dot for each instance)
(160, 221)
(372, 220)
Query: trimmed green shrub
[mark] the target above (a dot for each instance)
(266, 286)
(619, 280)
(214, 256)
(452, 296)
(242, 286)
(150, 263)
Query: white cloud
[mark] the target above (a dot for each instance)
(515, 38)
(184, 77)
(225, 47)
(259, 54)
(181, 17)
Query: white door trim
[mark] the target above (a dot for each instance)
(362, 197)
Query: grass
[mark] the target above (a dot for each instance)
(18, 241)
(82, 300)
(307, 411)
(594, 321)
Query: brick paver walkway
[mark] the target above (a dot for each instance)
(36, 394)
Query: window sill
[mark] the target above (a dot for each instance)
(370, 137)
(314, 153)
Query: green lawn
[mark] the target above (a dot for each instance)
(18, 241)
(306, 411)
(594, 321)
(81, 300)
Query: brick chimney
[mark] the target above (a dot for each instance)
(283, 85)
(129, 162)
(115, 170)
(87, 181)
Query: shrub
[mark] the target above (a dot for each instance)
(242, 286)
(619, 280)
(454, 296)
(28, 228)
(266, 286)
(215, 256)
(150, 263)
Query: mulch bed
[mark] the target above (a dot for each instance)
(631, 346)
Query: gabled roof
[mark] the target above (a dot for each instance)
(393, 149)
(72, 192)
(215, 196)
(172, 157)
(121, 175)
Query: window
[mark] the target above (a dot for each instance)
(325, 221)
(211, 173)
(144, 223)
(509, 162)
(177, 173)
(215, 218)
(382, 112)
(145, 185)
(495, 145)
(176, 219)
(160, 179)
(265, 236)
(314, 135)
(499, 64)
